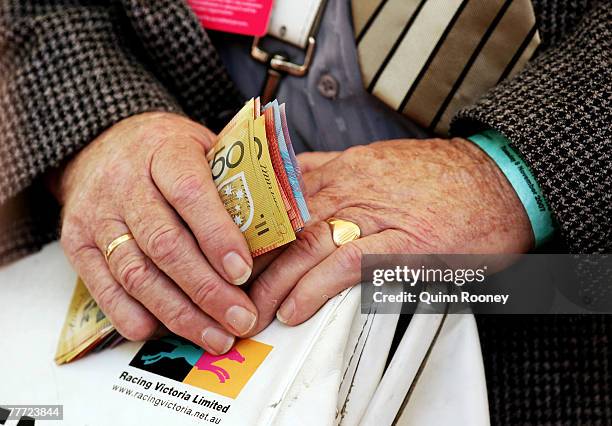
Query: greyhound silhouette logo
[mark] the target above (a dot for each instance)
(196, 357)
(180, 360)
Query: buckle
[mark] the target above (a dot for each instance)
(280, 63)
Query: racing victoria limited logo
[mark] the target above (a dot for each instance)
(181, 360)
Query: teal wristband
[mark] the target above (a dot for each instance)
(518, 174)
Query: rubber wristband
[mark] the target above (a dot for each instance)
(520, 177)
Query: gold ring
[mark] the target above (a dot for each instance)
(116, 243)
(343, 231)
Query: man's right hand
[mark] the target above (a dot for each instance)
(148, 175)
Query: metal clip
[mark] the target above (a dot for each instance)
(280, 63)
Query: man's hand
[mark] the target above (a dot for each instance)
(407, 196)
(148, 175)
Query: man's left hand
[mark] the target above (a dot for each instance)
(407, 196)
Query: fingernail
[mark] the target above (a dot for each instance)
(240, 319)
(286, 311)
(217, 339)
(236, 268)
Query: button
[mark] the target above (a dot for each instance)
(328, 86)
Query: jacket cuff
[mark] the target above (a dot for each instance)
(556, 115)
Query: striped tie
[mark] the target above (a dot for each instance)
(428, 58)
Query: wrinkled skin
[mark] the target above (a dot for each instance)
(148, 174)
(407, 196)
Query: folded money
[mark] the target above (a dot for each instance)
(259, 181)
(279, 123)
(85, 328)
(257, 177)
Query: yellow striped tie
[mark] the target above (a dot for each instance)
(428, 58)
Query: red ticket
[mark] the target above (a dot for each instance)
(249, 17)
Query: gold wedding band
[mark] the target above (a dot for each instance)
(343, 231)
(116, 243)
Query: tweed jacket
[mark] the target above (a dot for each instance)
(69, 69)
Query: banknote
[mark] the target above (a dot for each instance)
(249, 111)
(243, 173)
(252, 110)
(288, 156)
(254, 169)
(281, 172)
(296, 164)
(84, 328)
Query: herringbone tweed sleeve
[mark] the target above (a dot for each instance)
(557, 114)
(69, 69)
(68, 73)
